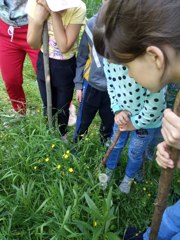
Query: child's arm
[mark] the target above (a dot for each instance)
(81, 66)
(35, 26)
(65, 36)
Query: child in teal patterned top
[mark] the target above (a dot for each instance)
(138, 114)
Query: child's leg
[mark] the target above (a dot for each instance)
(113, 159)
(41, 81)
(33, 55)
(90, 107)
(139, 141)
(62, 75)
(157, 138)
(170, 224)
(79, 117)
(12, 58)
(107, 117)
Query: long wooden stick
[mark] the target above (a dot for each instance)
(164, 184)
(47, 73)
(103, 162)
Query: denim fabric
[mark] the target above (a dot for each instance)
(170, 225)
(139, 140)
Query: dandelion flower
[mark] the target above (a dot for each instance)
(94, 223)
(67, 151)
(53, 145)
(35, 167)
(71, 170)
(65, 156)
(86, 139)
(58, 166)
(149, 195)
(144, 188)
(47, 159)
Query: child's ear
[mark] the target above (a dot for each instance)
(157, 56)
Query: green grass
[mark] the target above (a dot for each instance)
(47, 192)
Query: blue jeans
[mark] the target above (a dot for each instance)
(170, 224)
(139, 140)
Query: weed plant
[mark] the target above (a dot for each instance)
(50, 191)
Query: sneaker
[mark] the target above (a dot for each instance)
(109, 173)
(72, 115)
(64, 139)
(125, 185)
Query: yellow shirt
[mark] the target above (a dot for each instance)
(70, 16)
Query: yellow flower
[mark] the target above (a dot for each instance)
(58, 166)
(144, 188)
(38, 110)
(71, 170)
(53, 145)
(149, 195)
(47, 159)
(35, 167)
(86, 139)
(65, 156)
(178, 180)
(94, 223)
(67, 151)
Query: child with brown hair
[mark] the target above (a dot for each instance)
(145, 35)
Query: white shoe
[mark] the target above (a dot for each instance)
(125, 185)
(72, 115)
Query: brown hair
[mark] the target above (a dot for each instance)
(130, 26)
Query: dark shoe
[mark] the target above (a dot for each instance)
(133, 234)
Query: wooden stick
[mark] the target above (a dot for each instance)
(164, 184)
(103, 162)
(45, 38)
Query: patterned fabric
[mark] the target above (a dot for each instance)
(13, 12)
(146, 108)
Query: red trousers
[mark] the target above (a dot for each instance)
(13, 50)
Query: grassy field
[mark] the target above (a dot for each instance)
(49, 193)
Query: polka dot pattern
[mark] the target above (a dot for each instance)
(146, 108)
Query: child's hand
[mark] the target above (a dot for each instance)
(41, 14)
(127, 127)
(79, 95)
(122, 118)
(171, 128)
(43, 3)
(163, 157)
